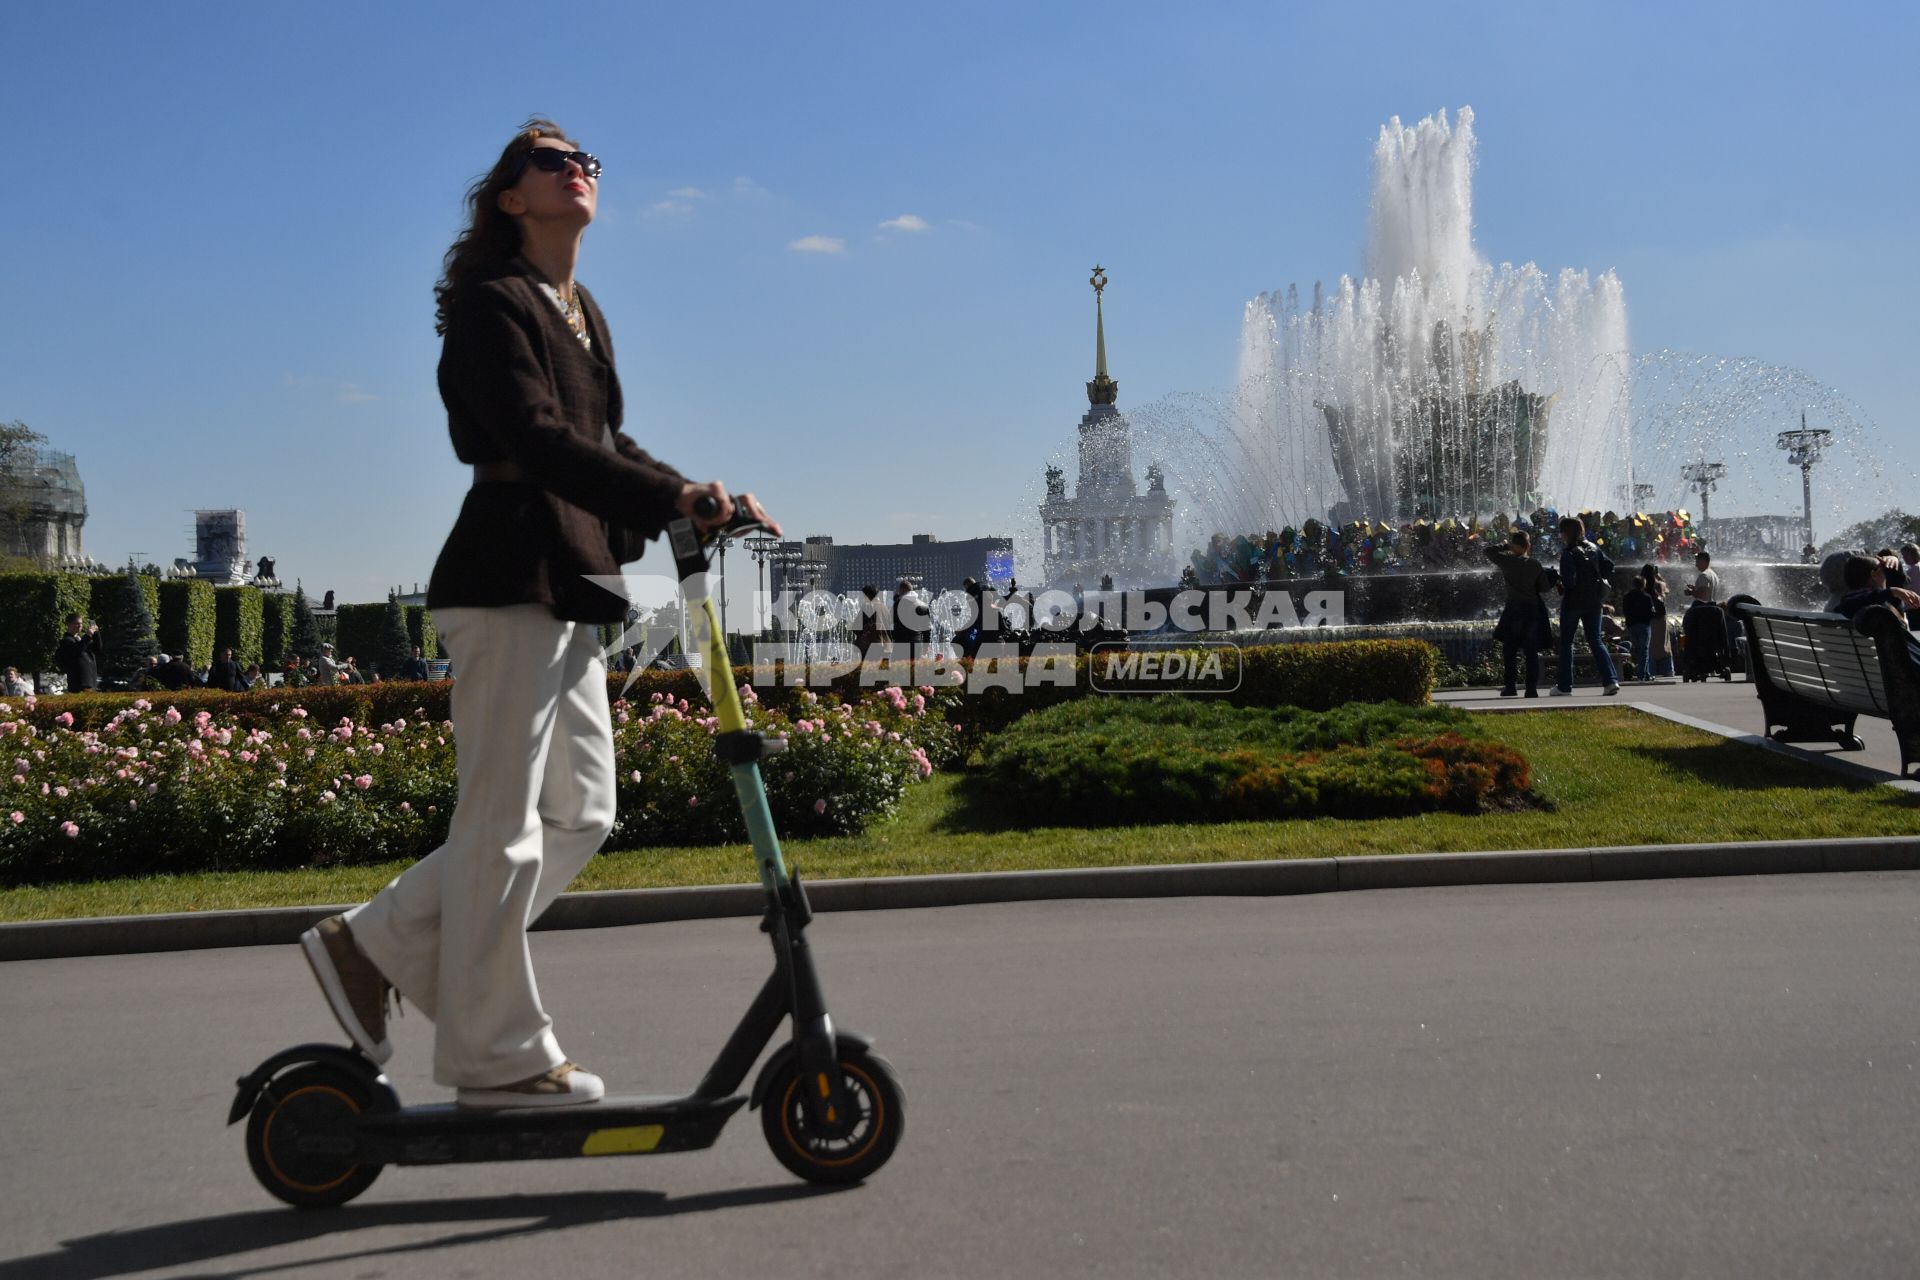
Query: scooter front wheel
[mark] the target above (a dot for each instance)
(872, 1089)
(299, 1136)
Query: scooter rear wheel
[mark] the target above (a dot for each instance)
(879, 1102)
(317, 1096)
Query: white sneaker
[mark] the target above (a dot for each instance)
(564, 1086)
(1558, 692)
(1611, 689)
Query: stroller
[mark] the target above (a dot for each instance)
(1706, 644)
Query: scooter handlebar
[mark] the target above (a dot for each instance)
(706, 506)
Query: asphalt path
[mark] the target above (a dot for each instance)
(1715, 1077)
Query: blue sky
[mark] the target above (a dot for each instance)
(226, 220)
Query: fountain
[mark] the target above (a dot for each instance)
(1438, 385)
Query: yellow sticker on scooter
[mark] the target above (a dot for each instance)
(623, 1141)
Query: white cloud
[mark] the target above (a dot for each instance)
(748, 187)
(350, 394)
(669, 209)
(687, 193)
(905, 222)
(818, 244)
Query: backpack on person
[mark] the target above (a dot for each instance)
(1591, 572)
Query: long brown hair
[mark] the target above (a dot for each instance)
(491, 236)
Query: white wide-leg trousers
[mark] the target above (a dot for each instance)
(533, 740)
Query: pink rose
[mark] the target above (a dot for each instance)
(64, 719)
(406, 806)
(299, 713)
(693, 802)
(819, 806)
(17, 817)
(364, 781)
(172, 716)
(69, 829)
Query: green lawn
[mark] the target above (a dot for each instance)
(1612, 777)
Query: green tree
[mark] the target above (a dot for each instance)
(17, 443)
(396, 646)
(1890, 529)
(126, 630)
(306, 633)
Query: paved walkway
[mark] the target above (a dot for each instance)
(1708, 1078)
(1734, 704)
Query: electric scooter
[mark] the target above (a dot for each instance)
(323, 1121)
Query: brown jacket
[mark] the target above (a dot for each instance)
(519, 388)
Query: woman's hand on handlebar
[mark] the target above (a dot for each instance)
(719, 507)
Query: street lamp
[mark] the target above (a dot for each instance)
(722, 544)
(762, 545)
(1803, 450)
(1702, 477)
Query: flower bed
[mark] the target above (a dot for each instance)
(1108, 761)
(154, 789)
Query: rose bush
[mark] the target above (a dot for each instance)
(156, 790)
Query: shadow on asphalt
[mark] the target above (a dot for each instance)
(174, 1244)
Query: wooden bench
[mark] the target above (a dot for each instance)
(1817, 673)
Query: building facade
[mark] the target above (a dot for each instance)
(932, 565)
(1107, 527)
(43, 507)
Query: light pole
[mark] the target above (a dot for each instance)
(1702, 477)
(1803, 450)
(762, 545)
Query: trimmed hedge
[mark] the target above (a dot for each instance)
(276, 628)
(33, 616)
(184, 623)
(420, 630)
(99, 599)
(1322, 676)
(357, 633)
(238, 622)
(1108, 761)
(1314, 676)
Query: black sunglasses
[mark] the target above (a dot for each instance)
(554, 160)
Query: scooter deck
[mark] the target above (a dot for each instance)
(442, 1133)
